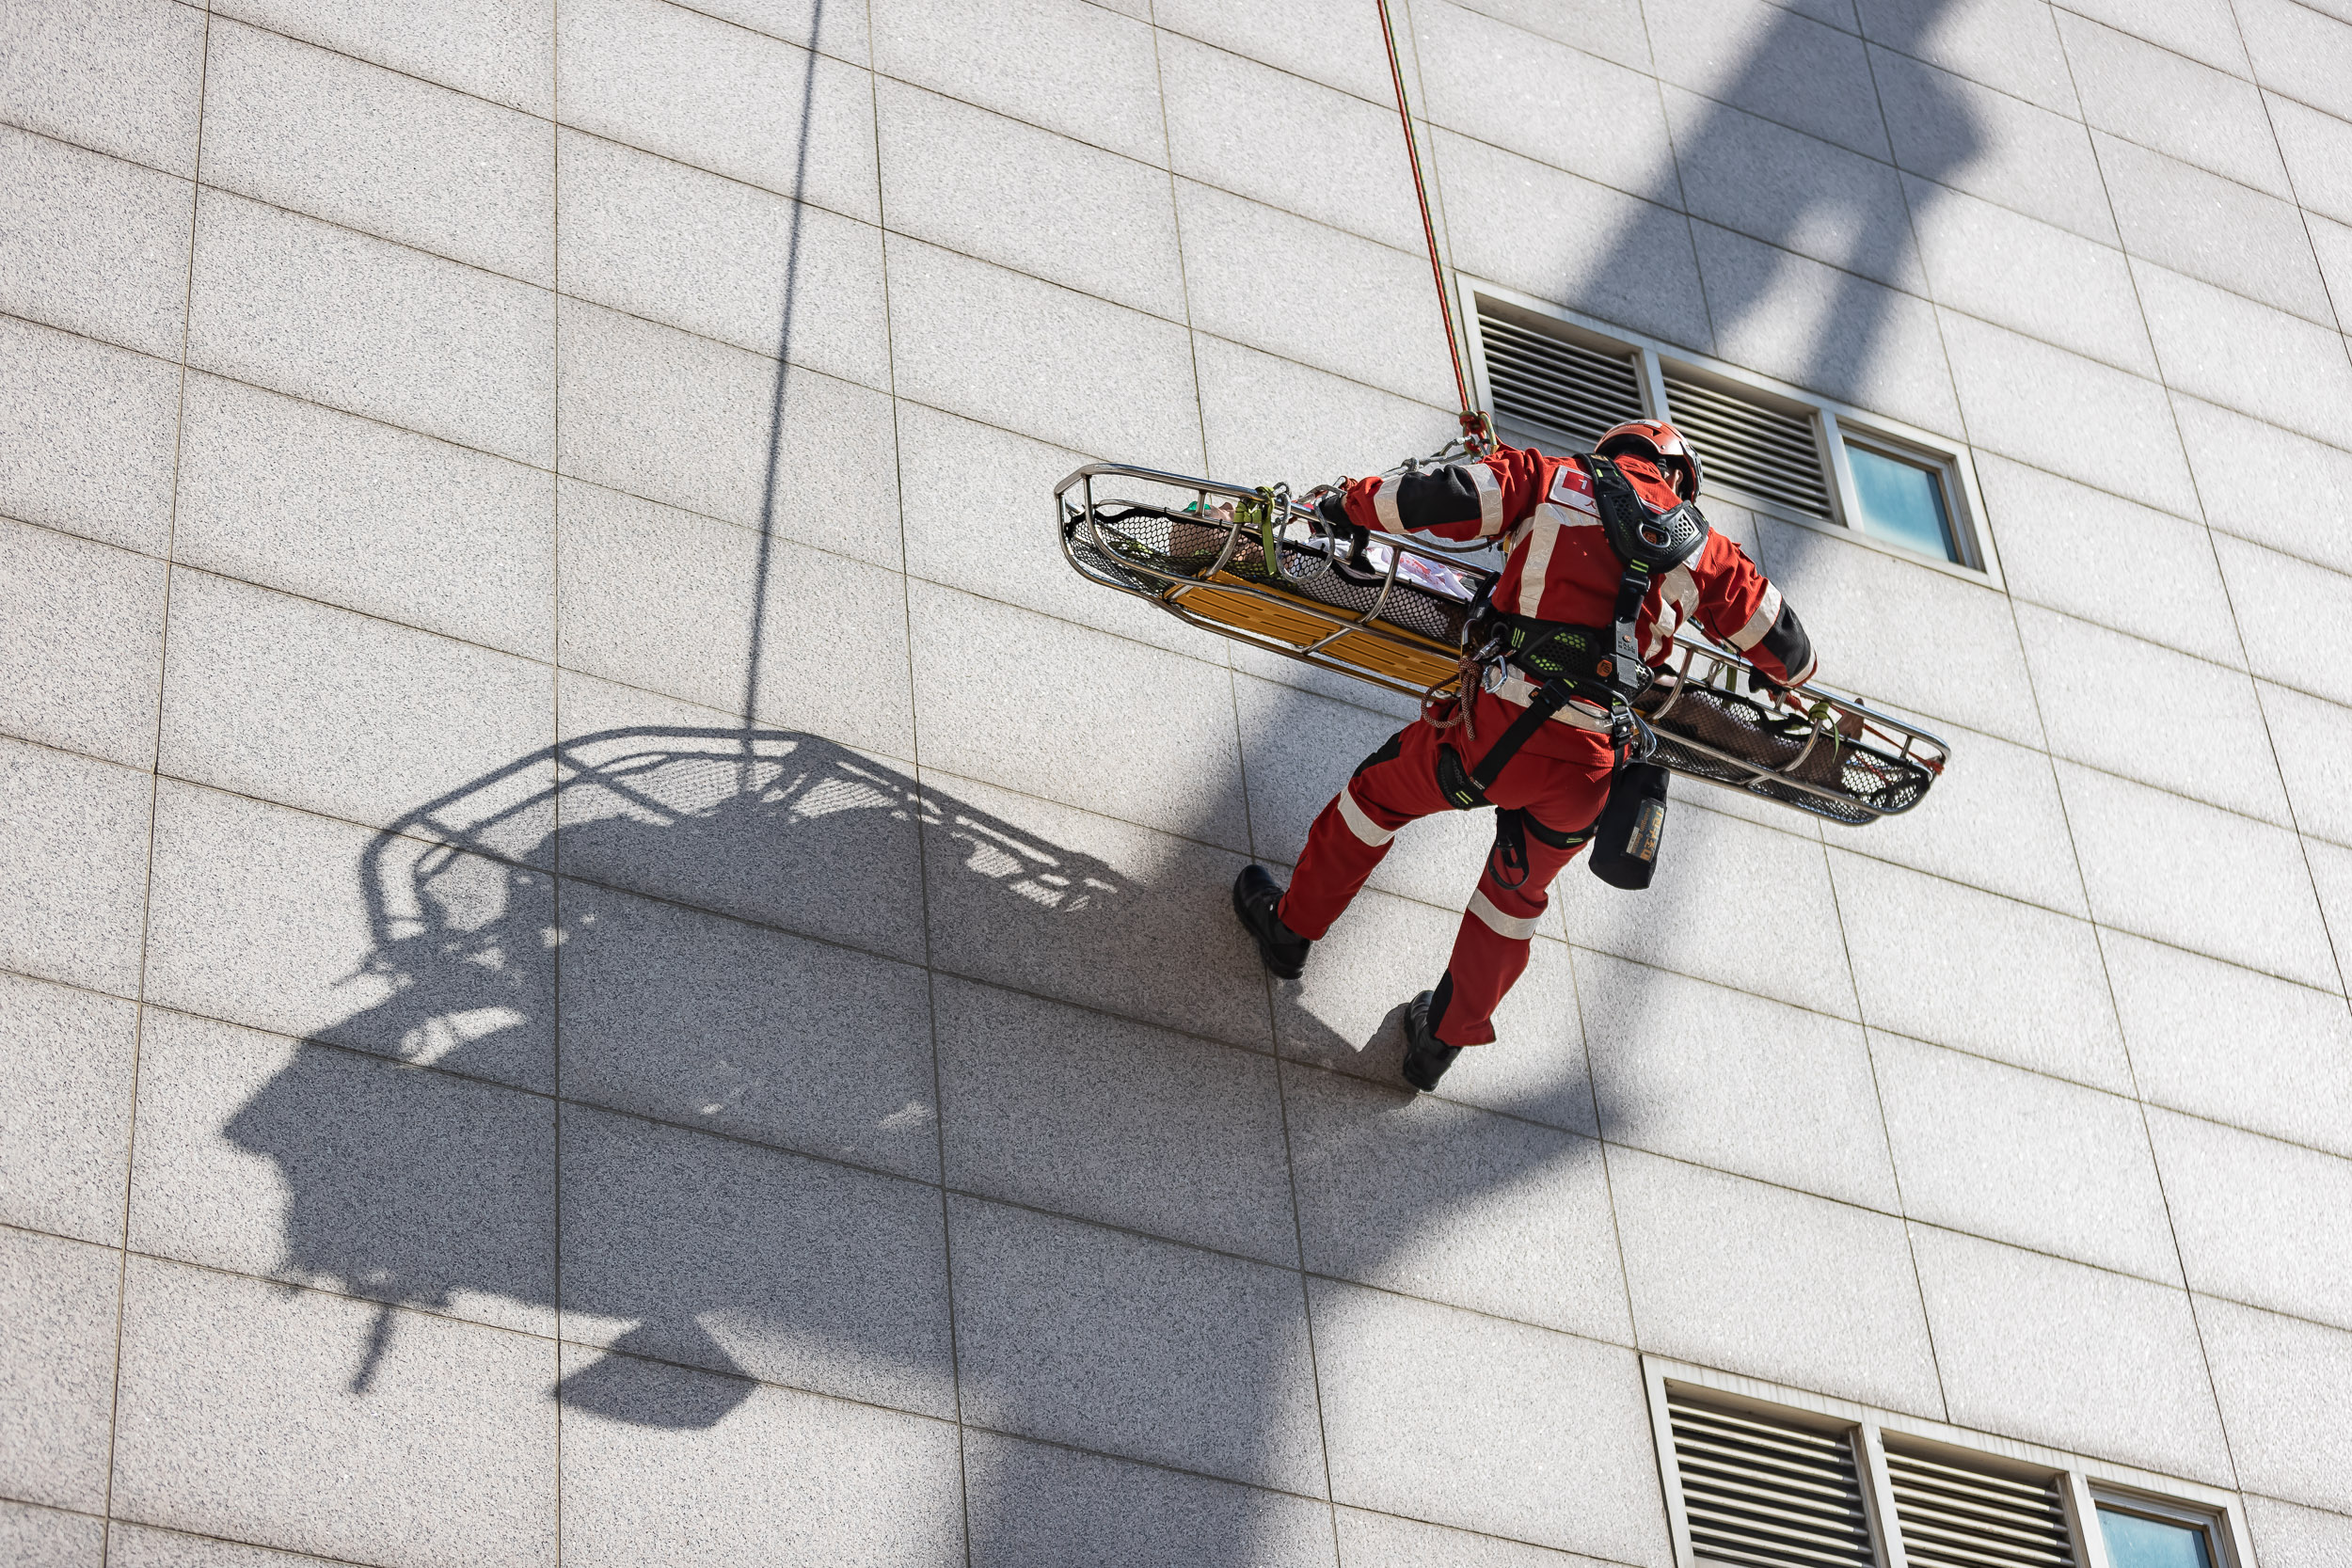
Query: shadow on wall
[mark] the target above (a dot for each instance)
(400, 1199)
(493, 959)
(783, 829)
(1797, 194)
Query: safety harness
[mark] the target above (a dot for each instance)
(1601, 666)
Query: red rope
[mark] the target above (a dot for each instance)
(1473, 422)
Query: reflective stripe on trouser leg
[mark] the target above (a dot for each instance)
(1491, 946)
(1351, 835)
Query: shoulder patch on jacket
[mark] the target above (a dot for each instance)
(1573, 487)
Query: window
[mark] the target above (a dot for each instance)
(1900, 501)
(2136, 1539)
(1556, 384)
(1772, 1478)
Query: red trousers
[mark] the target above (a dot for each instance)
(1560, 777)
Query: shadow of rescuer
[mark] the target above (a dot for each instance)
(1607, 557)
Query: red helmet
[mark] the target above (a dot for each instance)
(1659, 443)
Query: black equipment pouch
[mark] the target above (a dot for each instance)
(1631, 825)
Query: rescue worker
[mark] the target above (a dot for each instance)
(1547, 728)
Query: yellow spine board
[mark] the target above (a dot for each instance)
(1393, 652)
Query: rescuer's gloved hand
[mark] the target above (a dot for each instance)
(1759, 681)
(1333, 509)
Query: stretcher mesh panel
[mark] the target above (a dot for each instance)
(1175, 544)
(1725, 722)
(1707, 733)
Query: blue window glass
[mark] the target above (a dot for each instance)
(1902, 503)
(2137, 1542)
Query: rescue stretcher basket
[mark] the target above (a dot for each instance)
(1256, 566)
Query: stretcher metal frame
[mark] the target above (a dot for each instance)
(1218, 600)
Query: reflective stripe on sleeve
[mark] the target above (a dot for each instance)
(1759, 623)
(1505, 926)
(1535, 565)
(1676, 597)
(1384, 505)
(1489, 500)
(1358, 822)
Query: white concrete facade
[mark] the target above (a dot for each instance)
(466, 1103)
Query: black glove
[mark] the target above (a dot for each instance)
(1759, 681)
(1332, 510)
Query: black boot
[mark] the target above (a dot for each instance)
(1254, 898)
(1426, 1057)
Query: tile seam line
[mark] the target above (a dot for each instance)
(1690, 229)
(1001, 113)
(1829, 872)
(951, 1189)
(556, 716)
(328, 1293)
(1018, 1436)
(2130, 1062)
(332, 1292)
(866, 66)
(2295, 195)
(673, 159)
(2293, 823)
(770, 1144)
(147, 884)
(1157, 1239)
(2127, 1097)
(613, 140)
(1238, 342)
(1970, 1052)
(415, 248)
(182, 1530)
(720, 342)
(598, 671)
(2250, 77)
(231, 14)
(1257, 348)
(922, 836)
(2335, 944)
(423, 838)
(1248, 817)
(499, 859)
(2092, 919)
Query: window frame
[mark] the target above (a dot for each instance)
(2082, 1482)
(1834, 425)
(2164, 1510)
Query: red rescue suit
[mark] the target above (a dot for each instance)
(1559, 567)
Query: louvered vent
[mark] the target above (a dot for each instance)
(1750, 445)
(1766, 1493)
(1557, 388)
(1954, 1517)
